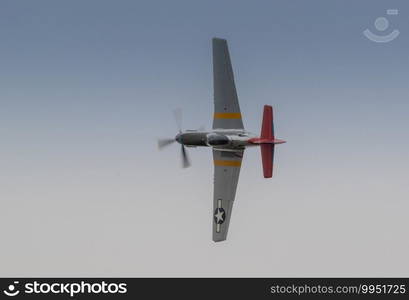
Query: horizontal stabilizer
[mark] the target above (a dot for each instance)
(267, 128)
(267, 157)
(267, 133)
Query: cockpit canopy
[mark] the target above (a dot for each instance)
(217, 140)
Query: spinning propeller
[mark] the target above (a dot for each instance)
(162, 143)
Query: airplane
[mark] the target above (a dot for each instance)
(228, 139)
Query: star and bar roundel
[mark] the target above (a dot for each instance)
(219, 215)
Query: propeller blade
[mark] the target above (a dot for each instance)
(185, 158)
(177, 113)
(165, 142)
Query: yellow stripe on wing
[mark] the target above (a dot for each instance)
(227, 115)
(227, 163)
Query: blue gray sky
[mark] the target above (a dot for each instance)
(88, 86)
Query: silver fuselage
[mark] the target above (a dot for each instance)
(221, 139)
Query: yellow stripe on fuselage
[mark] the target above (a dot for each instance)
(227, 115)
(227, 163)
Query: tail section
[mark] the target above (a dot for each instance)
(267, 157)
(267, 141)
(267, 128)
(267, 133)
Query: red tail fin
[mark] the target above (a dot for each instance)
(267, 150)
(267, 128)
(267, 157)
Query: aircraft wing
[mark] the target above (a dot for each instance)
(226, 104)
(226, 175)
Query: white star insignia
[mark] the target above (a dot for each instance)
(219, 215)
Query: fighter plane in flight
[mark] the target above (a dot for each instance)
(228, 140)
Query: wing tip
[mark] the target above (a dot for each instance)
(217, 240)
(220, 40)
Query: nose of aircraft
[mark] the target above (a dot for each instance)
(178, 138)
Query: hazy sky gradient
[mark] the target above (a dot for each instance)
(88, 86)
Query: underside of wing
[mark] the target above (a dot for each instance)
(226, 105)
(226, 176)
